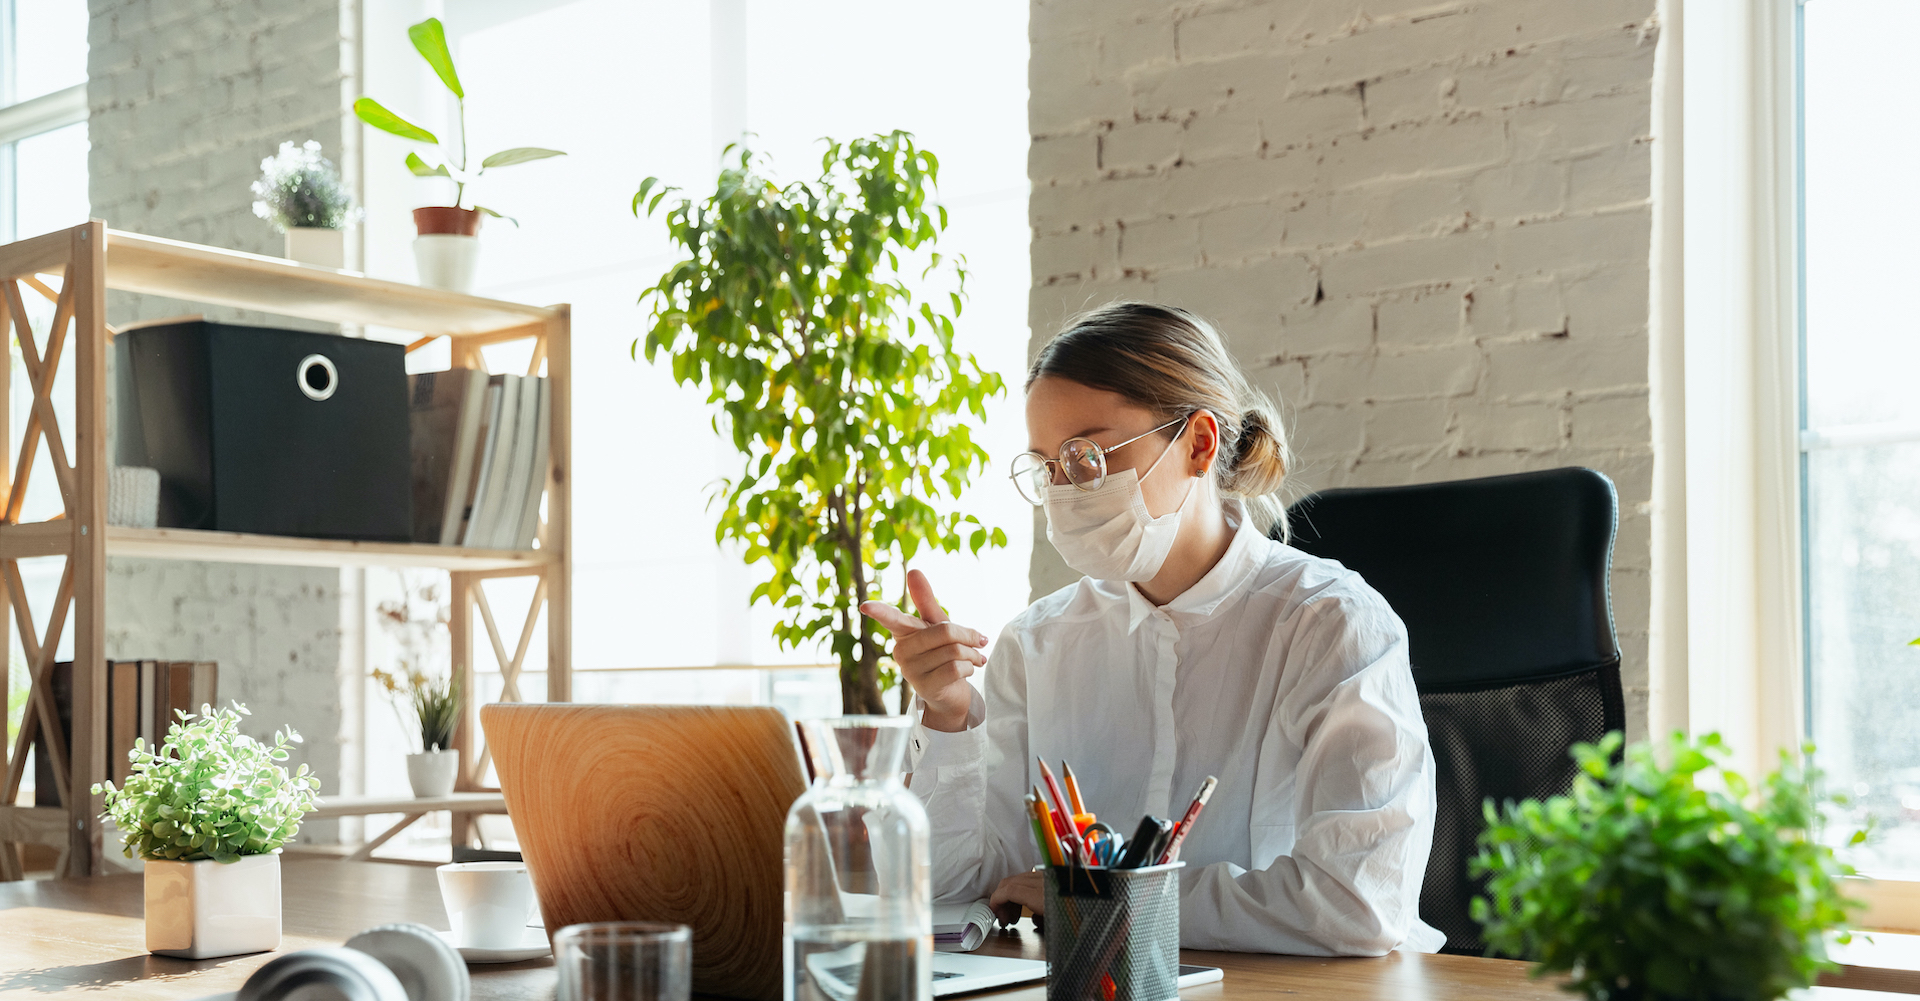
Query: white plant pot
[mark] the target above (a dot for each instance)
(431, 773)
(326, 248)
(201, 910)
(446, 260)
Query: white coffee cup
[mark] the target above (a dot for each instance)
(488, 903)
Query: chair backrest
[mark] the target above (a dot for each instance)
(1502, 584)
(657, 813)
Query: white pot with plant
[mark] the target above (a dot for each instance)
(299, 191)
(447, 246)
(427, 703)
(208, 815)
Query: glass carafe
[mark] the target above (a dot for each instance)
(859, 908)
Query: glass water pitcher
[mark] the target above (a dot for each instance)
(859, 922)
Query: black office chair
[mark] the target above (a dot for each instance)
(1502, 583)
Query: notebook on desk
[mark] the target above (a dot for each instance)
(673, 813)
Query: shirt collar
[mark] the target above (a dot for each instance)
(1242, 558)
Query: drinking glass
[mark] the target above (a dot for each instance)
(624, 961)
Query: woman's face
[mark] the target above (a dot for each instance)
(1059, 409)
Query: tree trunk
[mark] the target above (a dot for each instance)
(860, 680)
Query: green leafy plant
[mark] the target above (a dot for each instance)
(299, 187)
(211, 792)
(843, 392)
(429, 39)
(1646, 883)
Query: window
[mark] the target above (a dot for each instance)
(1860, 406)
(43, 187)
(631, 89)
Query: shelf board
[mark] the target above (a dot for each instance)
(280, 550)
(156, 266)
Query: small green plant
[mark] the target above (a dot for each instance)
(841, 389)
(430, 40)
(434, 702)
(426, 702)
(1646, 883)
(211, 792)
(300, 188)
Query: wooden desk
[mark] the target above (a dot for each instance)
(85, 936)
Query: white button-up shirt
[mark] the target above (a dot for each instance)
(1282, 673)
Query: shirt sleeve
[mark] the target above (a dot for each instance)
(972, 784)
(1363, 793)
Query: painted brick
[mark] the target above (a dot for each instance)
(1435, 252)
(1426, 316)
(184, 101)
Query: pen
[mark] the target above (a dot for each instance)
(1073, 787)
(1140, 847)
(1186, 823)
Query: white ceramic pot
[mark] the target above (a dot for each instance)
(431, 773)
(200, 910)
(446, 260)
(314, 245)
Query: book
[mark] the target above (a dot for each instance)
(537, 482)
(59, 682)
(502, 437)
(506, 533)
(484, 445)
(148, 715)
(473, 416)
(443, 407)
(206, 685)
(123, 716)
(963, 925)
(179, 689)
(155, 681)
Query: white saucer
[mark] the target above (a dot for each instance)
(533, 945)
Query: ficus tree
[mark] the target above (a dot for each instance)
(798, 307)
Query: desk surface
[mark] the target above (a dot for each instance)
(86, 936)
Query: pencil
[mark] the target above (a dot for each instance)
(1059, 803)
(1049, 848)
(1055, 852)
(1073, 788)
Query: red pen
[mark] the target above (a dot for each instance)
(1180, 830)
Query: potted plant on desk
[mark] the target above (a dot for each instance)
(208, 814)
(1645, 884)
(447, 246)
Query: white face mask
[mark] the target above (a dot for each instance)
(1107, 533)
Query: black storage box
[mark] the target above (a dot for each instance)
(280, 432)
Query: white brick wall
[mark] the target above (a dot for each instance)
(185, 99)
(1423, 224)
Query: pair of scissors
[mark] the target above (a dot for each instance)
(1104, 842)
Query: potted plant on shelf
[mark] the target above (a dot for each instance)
(207, 814)
(300, 193)
(840, 387)
(426, 703)
(446, 247)
(1645, 882)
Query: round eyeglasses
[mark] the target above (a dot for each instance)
(1082, 462)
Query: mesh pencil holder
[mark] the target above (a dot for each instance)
(1113, 934)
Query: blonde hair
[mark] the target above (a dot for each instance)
(1174, 363)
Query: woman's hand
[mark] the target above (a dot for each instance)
(935, 656)
(1015, 892)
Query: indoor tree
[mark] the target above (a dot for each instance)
(799, 308)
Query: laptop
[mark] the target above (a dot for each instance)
(676, 813)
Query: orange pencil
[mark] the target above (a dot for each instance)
(1073, 788)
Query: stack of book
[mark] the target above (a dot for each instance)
(480, 447)
(141, 698)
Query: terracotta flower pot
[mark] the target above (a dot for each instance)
(445, 219)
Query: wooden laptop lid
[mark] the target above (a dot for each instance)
(657, 813)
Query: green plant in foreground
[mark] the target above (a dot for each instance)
(211, 792)
(430, 40)
(843, 394)
(1641, 884)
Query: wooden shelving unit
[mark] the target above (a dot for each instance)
(74, 268)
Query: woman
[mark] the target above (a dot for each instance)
(1194, 646)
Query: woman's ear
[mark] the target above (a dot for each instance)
(1206, 442)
